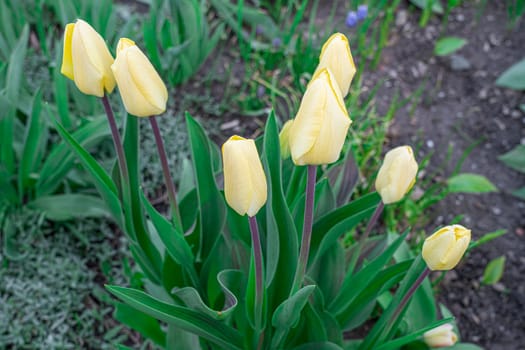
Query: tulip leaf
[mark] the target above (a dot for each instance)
(325, 345)
(182, 317)
(211, 203)
(515, 158)
(282, 244)
(387, 324)
(520, 193)
(353, 285)
(436, 5)
(62, 157)
(288, 313)
(494, 270)
(343, 178)
(173, 240)
(513, 77)
(400, 342)
(69, 206)
(230, 282)
(448, 45)
(146, 325)
(470, 183)
(105, 186)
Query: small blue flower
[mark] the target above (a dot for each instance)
(259, 29)
(261, 90)
(351, 19)
(276, 42)
(362, 11)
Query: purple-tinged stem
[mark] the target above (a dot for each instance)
(410, 292)
(307, 229)
(166, 170)
(364, 237)
(123, 165)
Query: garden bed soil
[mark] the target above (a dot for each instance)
(461, 105)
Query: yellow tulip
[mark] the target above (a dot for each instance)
(86, 59)
(284, 139)
(319, 130)
(337, 57)
(244, 179)
(444, 249)
(141, 88)
(397, 175)
(441, 336)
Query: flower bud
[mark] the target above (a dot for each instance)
(86, 59)
(443, 250)
(284, 139)
(397, 175)
(141, 88)
(336, 56)
(244, 179)
(441, 336)
(319, 130)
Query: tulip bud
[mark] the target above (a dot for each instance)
(86, 59)
(319, 130)
(284, 139)
(141, 88)
(397, 175)
(443, 250)
(244, 179)
(441, 336)
(336, 56)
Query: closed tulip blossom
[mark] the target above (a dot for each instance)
(244, 179)
(143, 91)
(86, 59)
(337, 57)
(397, 175)
(444, 249)
(440, 337)
(319, 130)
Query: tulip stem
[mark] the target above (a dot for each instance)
(123, 165)
(364, 237)
(411, 292)
(257, 257)
(307, 229)
(166, 171)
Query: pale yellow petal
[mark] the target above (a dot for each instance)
(67, 59)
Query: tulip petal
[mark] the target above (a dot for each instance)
(67, 59)
(397, 174)
(320, 127)
(444, 249)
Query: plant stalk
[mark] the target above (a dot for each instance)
(410, 292)
(123, 165)
(166, 171)
(307, 229)
(364, 237)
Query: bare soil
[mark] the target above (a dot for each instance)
(461, 105)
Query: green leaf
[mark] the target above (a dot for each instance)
(513, 77)
(62, 157)
(146, 325)
(325, 345)
(520, 193)
(211, 203)
(282, 244)
(470, 183)
(62, 207)
(515, 158)
(494, 270)
(32, 144)
(448, 45)
(182, 317)
(400, 342)
(487, 237)
(288, 313)
(106, 187)
(422, 4)
(173, 240)
(464, 346)
(15, 70)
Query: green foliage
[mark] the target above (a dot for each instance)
(513, 77)
(516, 160)
(494, 270)
(178, 38)
(470, 183)
(448, 45)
